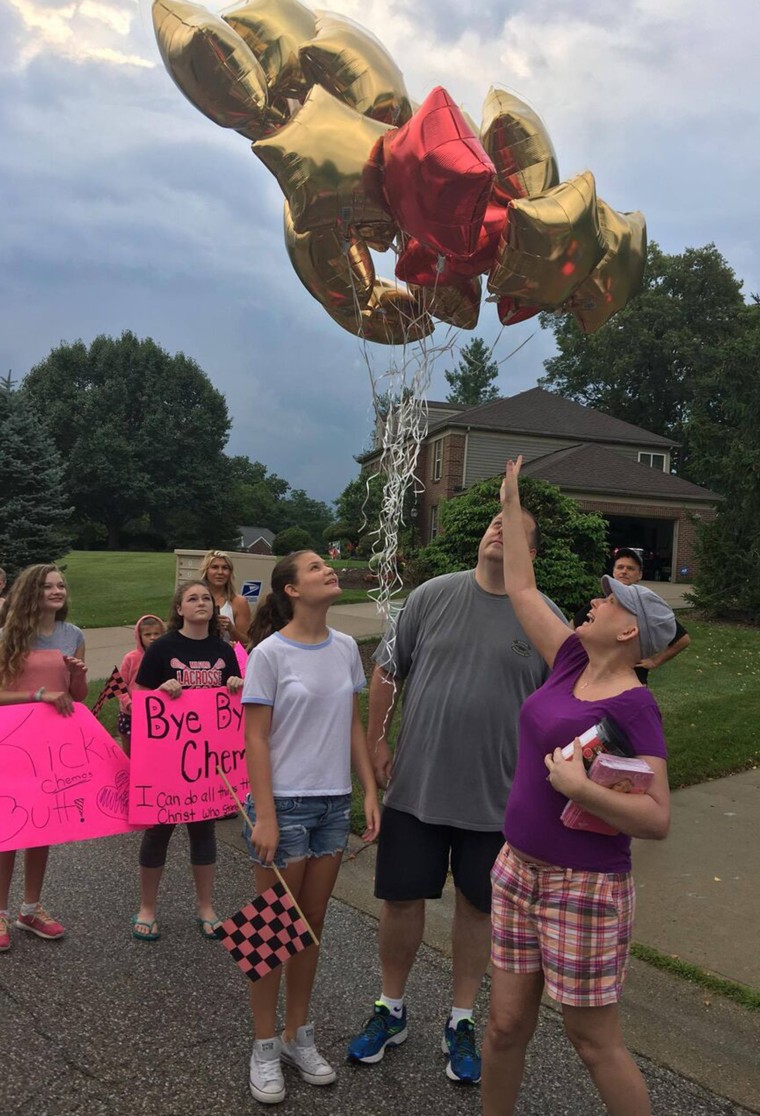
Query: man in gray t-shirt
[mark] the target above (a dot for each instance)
(465, 666)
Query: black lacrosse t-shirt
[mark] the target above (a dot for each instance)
(195, 663)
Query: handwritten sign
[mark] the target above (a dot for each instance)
(177, 745)
(242, 657)
(61, 778)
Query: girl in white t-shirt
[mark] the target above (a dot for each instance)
(303, 732)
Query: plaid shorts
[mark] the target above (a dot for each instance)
(573, 926)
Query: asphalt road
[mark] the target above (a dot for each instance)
(101, 1025)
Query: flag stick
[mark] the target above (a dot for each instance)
(273, 867)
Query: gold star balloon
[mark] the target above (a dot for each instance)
(274, 30)
(618, 276)
(318, 157)
(458, 306)
(213, 67)
(518, 143)
(552, 242)
(357, 69)
(393, 316)
(337, 270)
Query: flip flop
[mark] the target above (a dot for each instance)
(150, 934)
(208, 927)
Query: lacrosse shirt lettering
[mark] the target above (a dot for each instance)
(197, 664)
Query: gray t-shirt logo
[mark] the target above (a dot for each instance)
(520, 647)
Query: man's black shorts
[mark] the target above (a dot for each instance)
(413, 860)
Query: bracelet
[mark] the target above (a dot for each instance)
(36, 695)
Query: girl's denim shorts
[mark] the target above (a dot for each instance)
(310, 825)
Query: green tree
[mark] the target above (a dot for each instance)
(724, 442)
(34, 511)
(258, 494)
(301, 511)
(357, 508)
(646, 365)
(573, 551)
(141, 433)
(473, 380)
(292, 538)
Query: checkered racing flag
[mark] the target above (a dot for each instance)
(265, 932)
(115, 687)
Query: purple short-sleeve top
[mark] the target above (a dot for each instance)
(550, 718)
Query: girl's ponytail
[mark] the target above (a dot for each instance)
(276, 610)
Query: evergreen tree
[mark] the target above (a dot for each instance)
(473, 381)
(725, 447)
(34, 515)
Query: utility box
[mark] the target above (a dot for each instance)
(252, 574)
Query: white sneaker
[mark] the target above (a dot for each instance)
(303, 1054)
(266, 1080)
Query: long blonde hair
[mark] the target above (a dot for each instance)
(230, 591)
(23, 614)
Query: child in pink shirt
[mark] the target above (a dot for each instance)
(147, 630)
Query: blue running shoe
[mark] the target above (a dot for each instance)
(381, 1029)
(464, 1060)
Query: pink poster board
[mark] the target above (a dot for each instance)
(242, 657)
(177, 744)
(61, 778)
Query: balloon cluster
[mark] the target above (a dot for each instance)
(362, 168)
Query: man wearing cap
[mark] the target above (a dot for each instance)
(629, 570)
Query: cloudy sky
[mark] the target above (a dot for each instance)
(121, 207)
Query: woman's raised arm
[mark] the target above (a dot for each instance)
(543, 627)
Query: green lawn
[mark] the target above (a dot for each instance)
(112, 587)
(710, 702)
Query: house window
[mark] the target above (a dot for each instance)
(653, 460)
(437, 459)
(433, 522)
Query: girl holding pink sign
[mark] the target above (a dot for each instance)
(192, 655)
(41, 659)
(303, 732)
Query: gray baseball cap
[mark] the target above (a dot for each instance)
(655, 619)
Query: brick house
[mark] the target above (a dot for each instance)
(255, 540)
(607, 465)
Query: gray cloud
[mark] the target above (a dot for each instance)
(124, 208)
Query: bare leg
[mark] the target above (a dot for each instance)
(595, 1034)
(264, 992)
(400, 935)
(515, 1000)
(203, 875)
(317, 883)
(7, 864)
(35, 863)
(471, 947)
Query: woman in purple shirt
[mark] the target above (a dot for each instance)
(563, 898)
